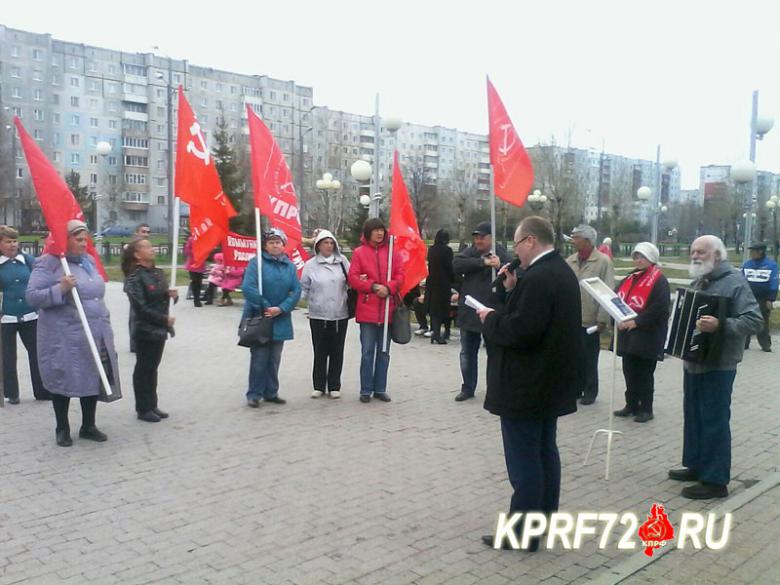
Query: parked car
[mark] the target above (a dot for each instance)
(116, 230)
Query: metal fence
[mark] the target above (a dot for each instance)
(107, 249)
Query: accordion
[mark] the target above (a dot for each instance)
(683, 339)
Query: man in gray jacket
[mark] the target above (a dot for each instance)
(707, 388)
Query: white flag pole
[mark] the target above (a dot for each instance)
(174, 249)
(87, 331)
(258, 234)
(385, 344)
(492, 221)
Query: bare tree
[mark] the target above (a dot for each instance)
(422, 190)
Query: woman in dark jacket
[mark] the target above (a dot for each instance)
(147, 289)
(438, 285)
(641, 340)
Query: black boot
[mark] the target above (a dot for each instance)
(63, 438)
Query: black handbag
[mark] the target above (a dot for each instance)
(400, 327)
(352, 295)
(255, 331)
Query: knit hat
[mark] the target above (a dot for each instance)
(275, 232)
(647, 250)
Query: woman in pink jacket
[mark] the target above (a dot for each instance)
(368, 276)
(228, 278)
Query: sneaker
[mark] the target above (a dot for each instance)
(365, 398)
(463, 396)
(335, 394)
(644, 417)
(428, 334)
(148, 417)
(705, 491)
(253, 403)
(625, 411)
(276, 400)
(382, 396)
(63, 438)
(160, 413)
(683, 474)
(317, 394)
(93, 434)
(421, 331)
(13, 401)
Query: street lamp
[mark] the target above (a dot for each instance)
(668, 164)
(759, 126)
(102, 148)
(327, 185)
(537, 200)
(392, 124)
(741, 173)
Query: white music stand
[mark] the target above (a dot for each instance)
(620, 312)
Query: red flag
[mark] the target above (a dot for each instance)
(403, 225)
(58, 204)
(273, 187)
(513, 174)
(197, 183)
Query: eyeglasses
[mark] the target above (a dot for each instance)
(517, 243)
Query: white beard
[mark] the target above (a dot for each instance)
(697, 268)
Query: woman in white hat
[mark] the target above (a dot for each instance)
(641, 340)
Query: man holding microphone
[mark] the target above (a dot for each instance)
(533, 373)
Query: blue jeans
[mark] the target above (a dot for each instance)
(706, 430)
(533, 463)
(373, 361)
(264, 371)
(469, 359)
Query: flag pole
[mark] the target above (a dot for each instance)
(492, 221)
(258, 234)
(385, 343)
(87, 330)
(174, 249)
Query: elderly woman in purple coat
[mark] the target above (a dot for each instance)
(64, 358)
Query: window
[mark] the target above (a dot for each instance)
(38, 134)
(112, 87)
(138, 70)
(93, 122)
(93, 178)
(17, 93)
(204, 85)
(135, 125)
(38, 115)
(93, 159)
(37, 55)
(160, 93)
(19, 173)
(56, 140)
(286, 97)
(74, 63)
(75, 140)
(16, 72)
(219, 88)
(161, 200)
(135, 179)
(272, 95)
(112, 69)
(112, 106)
(93, 67)
(74, 101)
(55, 80)
(112, 179)
(136, 161)
(112, 124)
(129, 142)
(75, 119)
(93, 85)
(14, 51)
(93, 104)
(233, 90)
(75, 158)
(204, 102)
(93, 141)
(161, 181)
(55, 98)
(55, 117)
(57, 156)
(112, 162)
(75, 82)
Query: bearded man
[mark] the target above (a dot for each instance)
(707, 388)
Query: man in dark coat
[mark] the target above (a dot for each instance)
(475, 266)
(439, 283)
(533, 373)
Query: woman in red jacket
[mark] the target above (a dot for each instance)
(368, 276)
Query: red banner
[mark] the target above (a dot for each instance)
(58, 204)
(238, 249)
(197, 184)
(273, 187)
(513, 174)
(403, 225)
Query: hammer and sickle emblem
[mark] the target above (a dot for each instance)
(203, 152)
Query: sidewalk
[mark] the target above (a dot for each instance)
(335, 491)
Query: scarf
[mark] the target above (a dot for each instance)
(583, 255)
(636, 287)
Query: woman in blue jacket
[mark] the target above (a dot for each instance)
(281, 291)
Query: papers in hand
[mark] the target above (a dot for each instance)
(474, 303)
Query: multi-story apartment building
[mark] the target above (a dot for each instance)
(71, 96)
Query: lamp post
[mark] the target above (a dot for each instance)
(742, 173)
(537, 200)
(668, 165)
(391, 124)
(327, 185)
(759, 126)
(102, 148)
(771, 205)
(169, 91)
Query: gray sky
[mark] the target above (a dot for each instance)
(633, 74)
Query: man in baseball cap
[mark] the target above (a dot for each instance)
(761, 273)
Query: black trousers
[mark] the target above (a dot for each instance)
(27, 332)
(640, 383)
(764, 339)
(148, 354)
(196, 283)
(62, 404)
(328, 337)
(591, 346)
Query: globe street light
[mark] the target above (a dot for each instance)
(103, 148)
(537, 200)
(668, 165)
(772, 205)
(759, 126)
(742, 173)
(327, 185)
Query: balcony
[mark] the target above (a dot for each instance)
(132, 201)
(429, 152)
(140, 116)
(135, 98)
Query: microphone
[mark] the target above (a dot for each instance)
(513, 265)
